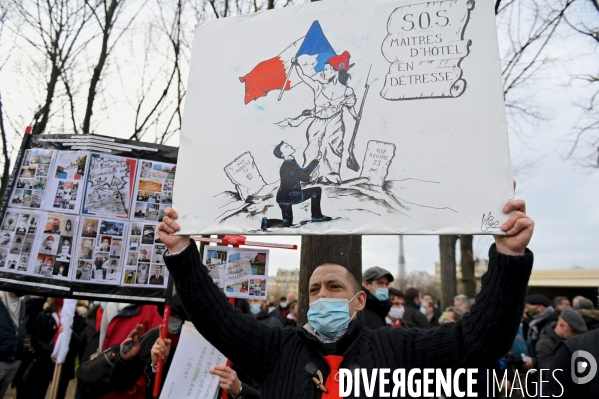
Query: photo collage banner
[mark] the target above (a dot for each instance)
(239, 272)
(80, 218)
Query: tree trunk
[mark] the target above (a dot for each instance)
(43, 115)
(448, 269)
(5, 155)
(270, 5)
(316, 250)
(467, 265)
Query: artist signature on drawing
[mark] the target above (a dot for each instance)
(488, 223)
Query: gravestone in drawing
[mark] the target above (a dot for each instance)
(377, 160)
(244, 174)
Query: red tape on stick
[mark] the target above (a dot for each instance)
(158, 379)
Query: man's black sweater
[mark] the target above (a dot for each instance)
(277, 357)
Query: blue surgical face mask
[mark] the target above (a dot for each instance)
(328, 316)
(423, 310)
(382, 294)
(255, 308)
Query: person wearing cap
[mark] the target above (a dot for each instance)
(539, 313)
(302, 362)
(375, 284)
(569, 324)
(326, 132)
(574, 357)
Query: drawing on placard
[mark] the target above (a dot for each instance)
(65, 189)
(100, 251)
(153, 190)
(32, 179)
(312, 181)
(52, 258)
(426, 66)
(109, 185)
(17, 237)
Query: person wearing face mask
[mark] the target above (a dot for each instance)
(395, 316)
(414, 314)
(285, 360)
(259, 309)
(90, 231)
(99, 273)
(375, 284)
(282, 310)
(569, 324)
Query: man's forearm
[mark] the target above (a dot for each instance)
(241, 338)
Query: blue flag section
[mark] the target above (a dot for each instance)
(316, 44)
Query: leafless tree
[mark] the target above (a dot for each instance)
(106, 14)
(56, 32)
(584, 20)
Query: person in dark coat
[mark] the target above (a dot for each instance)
(12, 337)
(137, 362)
(290, 192)
(259, 309)
(569, 324)
(375, 284)
(563, 367)
(277, 357)
(539, 313)
(413, 316)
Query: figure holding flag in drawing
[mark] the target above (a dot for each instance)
(327, 74)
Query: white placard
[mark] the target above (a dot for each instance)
(267, 143)
(188, 376)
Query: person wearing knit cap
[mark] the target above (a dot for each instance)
(539, 313)
(569, 324)
(304, 361)
(326, 132)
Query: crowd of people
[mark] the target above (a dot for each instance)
(29, 327)
(368, 323)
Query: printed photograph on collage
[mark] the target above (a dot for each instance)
(17, 238)
(32, 179)
(239, 272)
(52, 256)
(144, 265)
(109, 186)
(154, 190)
(100, 251)
(66, 185)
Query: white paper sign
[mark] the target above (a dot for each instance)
(188, 376)
(281, 135)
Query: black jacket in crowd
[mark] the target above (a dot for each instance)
(546, 346)
(125, 373)
(412, 317)
(12, 339)
(277, 357)
(562, 359)
(375, 311)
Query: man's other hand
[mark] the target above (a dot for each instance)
(169, 226)
(518, 229)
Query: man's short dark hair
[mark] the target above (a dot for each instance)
(411, 294)
(277, 151)
(350, 276)
(558, 300)
(395, 292)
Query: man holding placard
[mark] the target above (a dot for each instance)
(304, 361)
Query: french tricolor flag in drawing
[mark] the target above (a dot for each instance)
(312, 52)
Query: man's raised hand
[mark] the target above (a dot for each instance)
(169, 226)
(518, 229)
